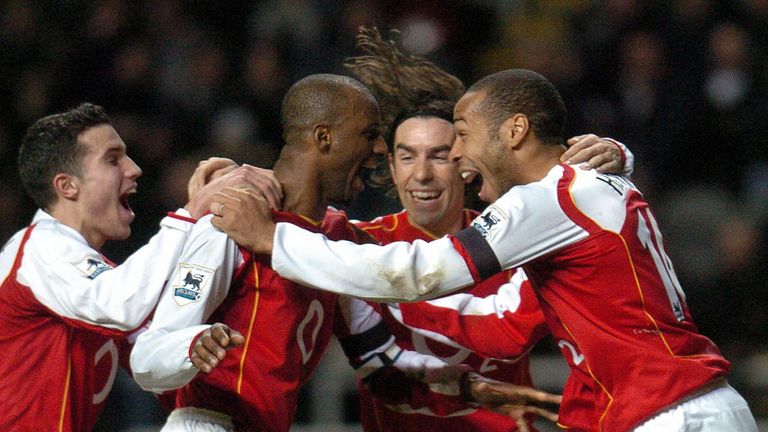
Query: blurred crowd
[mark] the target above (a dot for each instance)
(683, 83)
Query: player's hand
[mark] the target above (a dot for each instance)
(207, 170)
(591, 151)
(212, 345)
(246, 217)
(247, 176)
(511, 400)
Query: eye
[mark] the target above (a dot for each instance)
(441, 157)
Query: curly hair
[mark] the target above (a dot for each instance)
(404, 85)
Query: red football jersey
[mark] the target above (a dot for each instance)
(65, 311)
(594, 254)
(287, 329)
(514, 368)
(609, 294)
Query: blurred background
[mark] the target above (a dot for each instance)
(683, 83)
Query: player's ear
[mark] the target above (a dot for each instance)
(321, 135)
(66, 186)
(391, 163)
(513, 130)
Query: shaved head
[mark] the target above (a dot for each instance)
(523, 91)
(320, 98)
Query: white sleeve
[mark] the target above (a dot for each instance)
(74, 281)
(525, 223)
(199, 284)
(399, 271)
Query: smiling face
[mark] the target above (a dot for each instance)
(428, 184)
(477, 152)
(108, 177)
(356, 143)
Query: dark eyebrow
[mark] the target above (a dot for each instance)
(409, 149)
(406, 147)
(442, 148)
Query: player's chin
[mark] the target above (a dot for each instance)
(121, 232)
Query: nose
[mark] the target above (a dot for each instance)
(422, 171)
(380, 147)
(378, 153)
(132, 171)
(455, 154)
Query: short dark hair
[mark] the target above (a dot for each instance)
(426, 109)
(317, 98)
(526, 92)
(441, 109)
(51, 146)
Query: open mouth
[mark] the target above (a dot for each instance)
(472, 178)
(124, 199)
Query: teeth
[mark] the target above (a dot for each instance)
(465, 175)
(425, 195)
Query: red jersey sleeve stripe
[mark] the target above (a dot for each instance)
(477, 253)
(184, 218)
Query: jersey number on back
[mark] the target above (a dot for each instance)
(661, 260)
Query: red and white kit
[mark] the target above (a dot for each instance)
(593, 253)
(287, 329)
(64, 309)
(528, 325)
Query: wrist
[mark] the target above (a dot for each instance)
(465, 386)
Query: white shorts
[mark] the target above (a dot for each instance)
(191, 419)
(720, 410)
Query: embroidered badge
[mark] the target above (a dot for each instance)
(190, 284)
(488, 220)
(91, 267)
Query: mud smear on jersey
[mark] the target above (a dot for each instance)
(403, 287)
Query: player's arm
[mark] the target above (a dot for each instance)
(478, 323)
(421, 382)
(506, 235)
(161, 358)
(75, 282)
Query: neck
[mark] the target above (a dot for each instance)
(538, 161)
(301, 185)
(449, 224)
(71, 217)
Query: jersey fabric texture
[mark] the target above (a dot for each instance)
(287, 328)
(594, 254)
(609, 294)
(379, 416)
(65, 311)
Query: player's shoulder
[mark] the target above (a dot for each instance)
(590, 185)
(51, 241)
(602, 197)
(387, 222)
